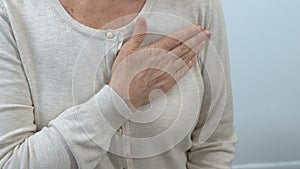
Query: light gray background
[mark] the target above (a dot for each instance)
(264, 39)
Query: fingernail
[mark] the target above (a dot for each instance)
(198, 27)
(207, 32)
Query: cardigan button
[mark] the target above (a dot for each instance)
(120, 130)
(109, 35)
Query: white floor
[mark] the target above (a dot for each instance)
(279, 165)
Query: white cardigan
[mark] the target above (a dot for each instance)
(57, 112)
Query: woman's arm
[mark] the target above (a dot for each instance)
(214, 136)
(64, 143)
(80, 135)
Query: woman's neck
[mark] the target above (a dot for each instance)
(98, 13)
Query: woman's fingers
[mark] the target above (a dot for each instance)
(168, 79)
(184, 60)
(173, 40)
(184, 68)
(195, 42)
(191, 44)
(178, 68)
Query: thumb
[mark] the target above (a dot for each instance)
(139, 34)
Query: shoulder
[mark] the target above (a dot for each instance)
(201, 11)
(190, 4)
(186, 5)
(22, 7)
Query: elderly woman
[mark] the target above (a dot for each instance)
(114, 84)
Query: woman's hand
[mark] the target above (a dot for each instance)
(139, 70)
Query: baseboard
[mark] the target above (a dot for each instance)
(279, 165)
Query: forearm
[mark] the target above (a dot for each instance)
(79, 135)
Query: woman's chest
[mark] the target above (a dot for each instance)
(66, 68)
(59, 84)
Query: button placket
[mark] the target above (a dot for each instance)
(111, 42)
(120, 40)
(127, 146)
(114, 42)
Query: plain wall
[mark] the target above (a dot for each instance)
(264, 43)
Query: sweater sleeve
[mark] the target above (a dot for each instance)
(214, 136)
(78, 137)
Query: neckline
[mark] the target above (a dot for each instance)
(98, 33)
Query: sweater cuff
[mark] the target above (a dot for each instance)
(102, 115)
(87, 128)
(112, 107)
